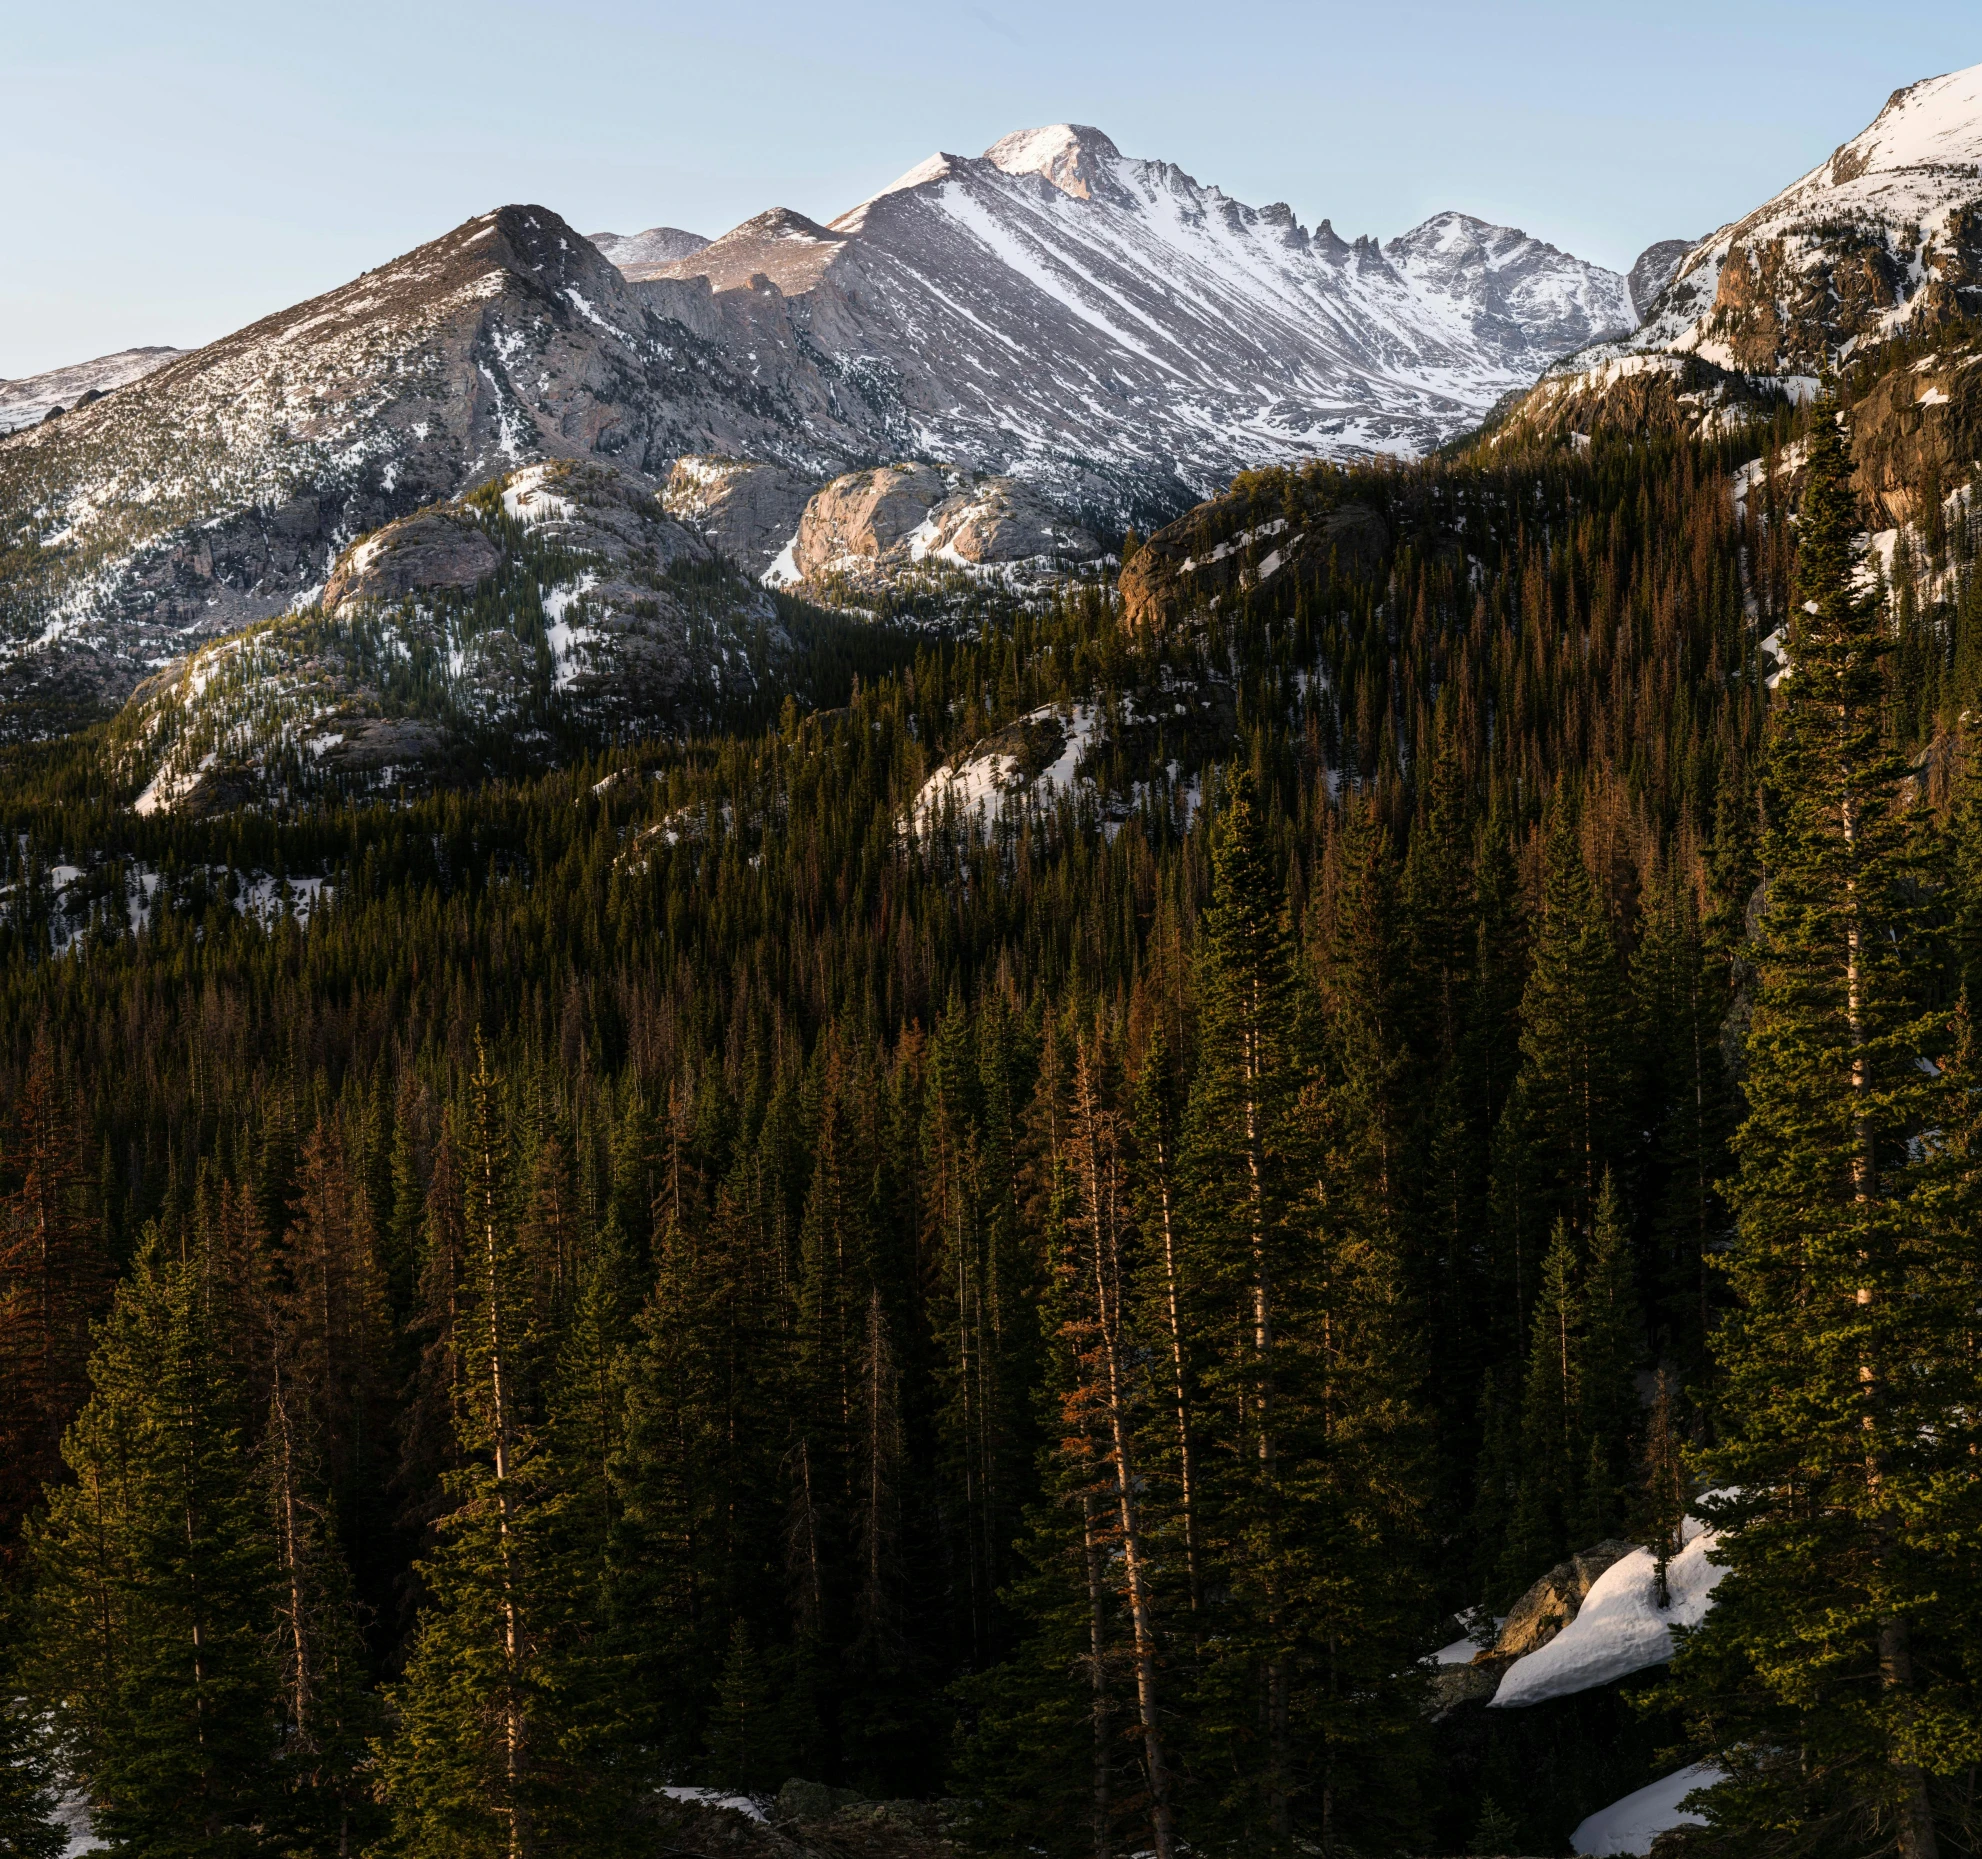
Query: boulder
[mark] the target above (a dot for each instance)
(1551, 1604)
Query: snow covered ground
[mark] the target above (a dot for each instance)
(1620, 1628)
(1632, 1824)
(715, 1797)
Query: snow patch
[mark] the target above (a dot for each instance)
(1632, 1824)
(1620, 1627)
(714, 1797)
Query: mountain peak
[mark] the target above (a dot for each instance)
(1881, 235)
(1072, 156)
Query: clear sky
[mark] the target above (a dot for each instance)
(174, 171)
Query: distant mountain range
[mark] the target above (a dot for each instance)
(34, 398)
(1086, 339)
(1110, 331)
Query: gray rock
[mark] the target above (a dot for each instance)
(802, 1801)
(1653, 270)
(435, 549)
(658, 245)
(614, 621)
(865, 518)
(1552, 1602)
(747, 508)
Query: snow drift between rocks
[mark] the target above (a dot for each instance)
(1620, 1627)
(1632, 1824)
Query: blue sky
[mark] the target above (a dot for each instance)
(176, 171)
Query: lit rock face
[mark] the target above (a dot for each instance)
(902, 516)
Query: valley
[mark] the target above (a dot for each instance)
(1054, 1022)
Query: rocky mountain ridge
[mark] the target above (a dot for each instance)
(1107, 332)
(1881, 241)
(658, 245)
(36, 397)
(1112, 328)
(557, 607)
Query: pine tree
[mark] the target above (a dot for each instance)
(155, 1582)
(1832, 1672)
(1608, 1373)
(54, 1275)
(28, 1827)
(1243, 1164)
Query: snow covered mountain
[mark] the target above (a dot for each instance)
(1106, 331)
(1884, 236)
(34, 397)
(658, 245)
(1110, 327)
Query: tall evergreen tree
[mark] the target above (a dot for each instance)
(155, 1582)
(1834, 1674)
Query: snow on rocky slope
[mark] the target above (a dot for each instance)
(1106, 331)
(1621, 1626)
(1884, 236)
(658, 245)
(557, 606)
(1632, 1824)
(34, 397)
(1122, 334)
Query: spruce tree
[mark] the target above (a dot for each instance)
(1833, 1674)
(155, 1586)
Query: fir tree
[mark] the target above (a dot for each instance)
(155, 1585)
(1831, 1671)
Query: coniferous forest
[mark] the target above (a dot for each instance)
(690, 1270)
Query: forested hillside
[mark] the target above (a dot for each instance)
(720, 1263)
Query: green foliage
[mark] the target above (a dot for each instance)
(1271, 1163)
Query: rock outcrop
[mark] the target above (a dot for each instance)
(1548, 1606)
(1237, 542)
(869, 527)
(556, 608)
(747, 508)
(433, 549)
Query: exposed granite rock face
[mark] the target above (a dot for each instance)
(556, 608)
(436, 548)
(658, 245)
(1554, 1601)
(865, 518)
(747, 508)
(1639, 396)
(1883, 239)
(1231, 543)
(1002, 520)
(1652, 271)
(870, 525)
(1916, 433)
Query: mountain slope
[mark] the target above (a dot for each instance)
(1110, 327)
(33, 397)
(1110, 332)
(216, 491)
(1884, 237)
(656, 246)
(554, 609)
